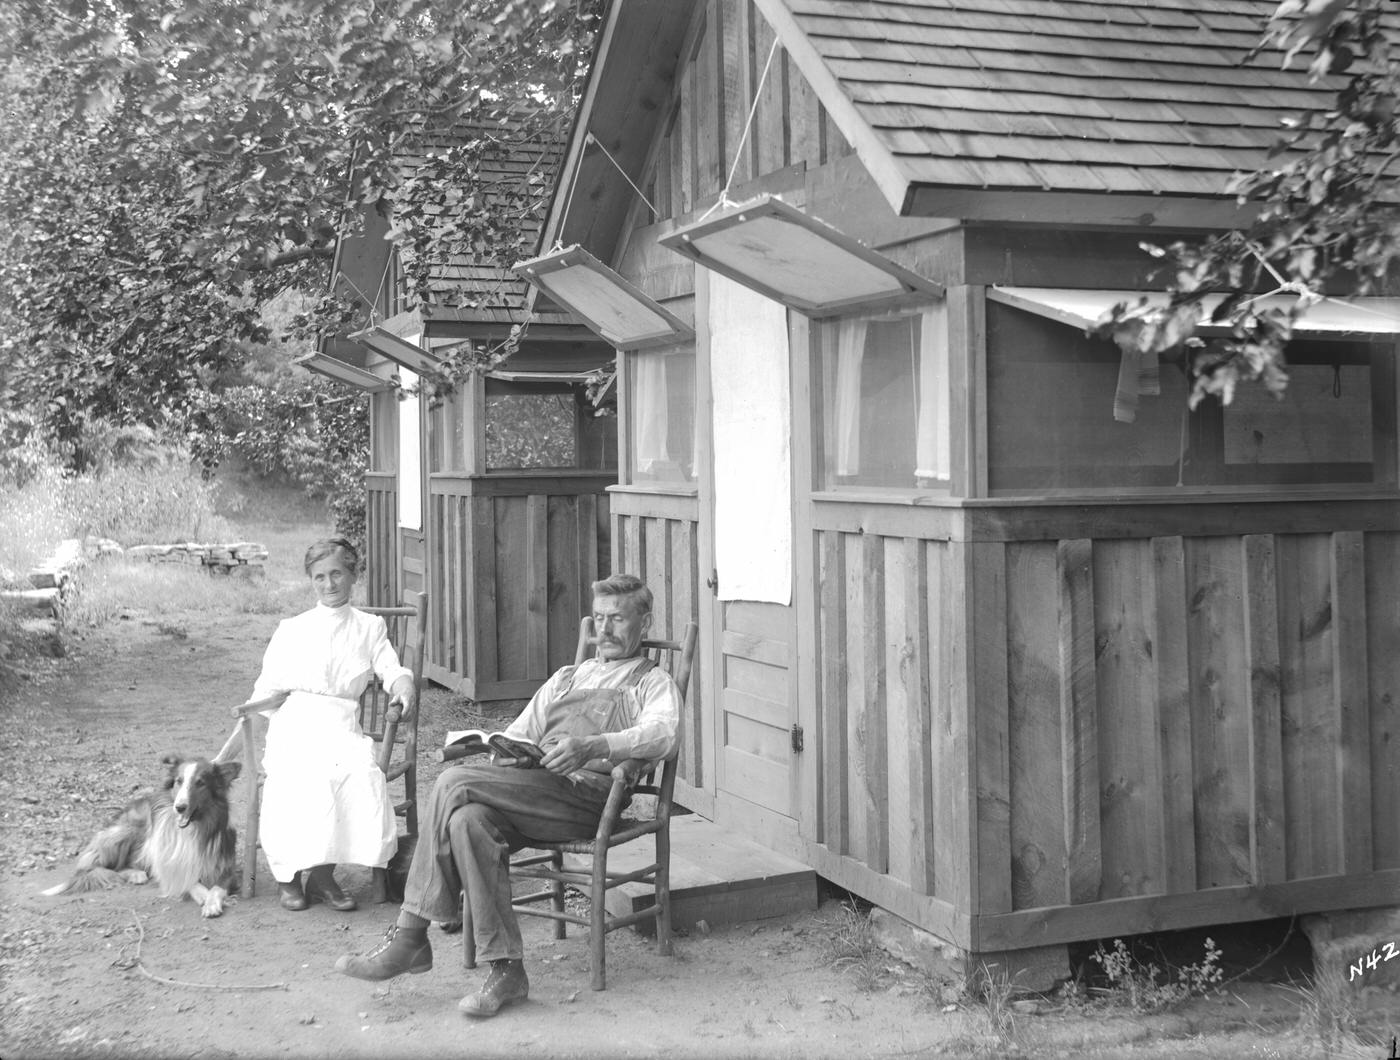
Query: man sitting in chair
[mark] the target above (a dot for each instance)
(615, 706)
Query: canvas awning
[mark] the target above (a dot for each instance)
(341, 372)
(1330, 318)
(777, 250)
(1355, 318)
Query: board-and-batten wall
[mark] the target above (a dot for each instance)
(1142, 716)
(512, 561)
(657, 535)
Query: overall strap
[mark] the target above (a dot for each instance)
(636, 675)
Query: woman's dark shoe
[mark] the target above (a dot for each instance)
(291, 896)
(321, 887)
(403, 950)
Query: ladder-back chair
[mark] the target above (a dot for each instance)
(546, 860)
(394, 731)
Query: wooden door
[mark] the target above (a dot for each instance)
(747, 644)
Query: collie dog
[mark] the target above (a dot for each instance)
(178, 835)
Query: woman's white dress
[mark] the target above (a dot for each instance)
(325, 800)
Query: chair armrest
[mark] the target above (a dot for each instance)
(630, 771)
(256, 706)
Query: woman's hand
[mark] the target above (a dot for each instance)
(403, 694)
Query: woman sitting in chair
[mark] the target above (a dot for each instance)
(325, 800)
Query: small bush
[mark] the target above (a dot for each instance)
(1144, 987)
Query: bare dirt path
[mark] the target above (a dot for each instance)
(88, 734)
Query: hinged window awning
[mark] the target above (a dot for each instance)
(509, 376)
(341, 372)
(1330, 318)
(607, 303)
(399, 350)
(779, 251)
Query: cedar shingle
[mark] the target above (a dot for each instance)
(1149, 96)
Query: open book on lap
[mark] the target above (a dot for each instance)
(479, 741)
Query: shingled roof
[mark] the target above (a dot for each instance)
(491, 293)
(1110, 96)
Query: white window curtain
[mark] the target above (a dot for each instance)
(850, 353)
(410, 453)
(751, 395)
(650, 408)
(932, 450)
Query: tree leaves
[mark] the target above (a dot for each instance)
(1327, 211)
(173, 163)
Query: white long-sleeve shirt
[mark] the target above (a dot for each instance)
(653, 705)
(333, 651)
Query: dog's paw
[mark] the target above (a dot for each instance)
(134, 876)
(213, 906)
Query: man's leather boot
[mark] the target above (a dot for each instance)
(506, 984)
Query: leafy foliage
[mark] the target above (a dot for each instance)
(175, 163)
(1326, 212)
(312, 433)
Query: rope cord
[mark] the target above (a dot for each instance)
(594, 139)
(723, 199)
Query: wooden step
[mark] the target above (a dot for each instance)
(716, 876)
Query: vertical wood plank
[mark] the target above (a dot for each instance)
(856, 648)
(565, 604)
(1079, 721)
(770, 120)
(663, 173)
(1267, 855)
(1219, 717)
(1038, 866)
(989, 724)
(537, 586)
(484, 590)
(804, 118)
(460, 616)
(1351, 692)
(833, 829)
(633, 558)
(1383, 666)
(804, 688)
(913, 583)
(658, 564)
(684, 151)
(1129, 758)
(875, 745)
(709, 71)
(734, 81)
(1308, 706)
(1174, 713)
(685, 597)
(956, 826)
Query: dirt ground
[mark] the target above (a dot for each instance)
(126, 973)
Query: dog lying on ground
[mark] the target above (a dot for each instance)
(179, 836)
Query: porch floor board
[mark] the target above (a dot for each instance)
(716, 876)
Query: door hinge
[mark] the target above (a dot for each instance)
(797, 739)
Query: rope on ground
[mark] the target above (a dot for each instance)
(140, 967)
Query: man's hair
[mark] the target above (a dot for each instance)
(329, 547)
(629, 586)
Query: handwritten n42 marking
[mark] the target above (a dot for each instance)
(1366, 963)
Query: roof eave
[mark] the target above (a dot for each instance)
(1042, 206)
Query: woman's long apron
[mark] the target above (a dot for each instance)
(325, 800)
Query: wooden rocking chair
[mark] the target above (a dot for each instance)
(386, 726)
(546, 862)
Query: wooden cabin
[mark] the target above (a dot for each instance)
(1014, 669)
(490, 495)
